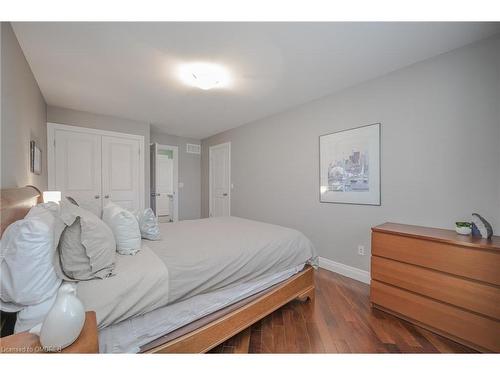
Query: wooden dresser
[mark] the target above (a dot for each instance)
(440, 280)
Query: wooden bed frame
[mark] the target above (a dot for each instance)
(15, 203)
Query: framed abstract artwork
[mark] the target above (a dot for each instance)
(349, 166)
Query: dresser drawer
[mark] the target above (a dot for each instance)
(467, 327)
(470, 295)
(472, 263)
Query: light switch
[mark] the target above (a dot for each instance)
(181, 185)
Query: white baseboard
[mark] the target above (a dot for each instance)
(345, 270)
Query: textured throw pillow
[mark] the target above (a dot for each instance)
(148, 224)
(87, 247)
(27, 275)
(124, 226)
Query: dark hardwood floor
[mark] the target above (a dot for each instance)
(340, 320)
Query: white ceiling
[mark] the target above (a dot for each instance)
(129, 69)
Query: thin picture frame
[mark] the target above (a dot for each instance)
(379, 135)
(35, 158)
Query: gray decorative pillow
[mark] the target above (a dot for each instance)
(87, 247)
(148, 224)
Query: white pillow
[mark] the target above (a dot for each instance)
(27, 275)
(33, 315)
(125, 228)
(148, 224)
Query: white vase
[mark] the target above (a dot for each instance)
(64, 321)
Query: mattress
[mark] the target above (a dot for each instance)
(194, 258)
(130, 335)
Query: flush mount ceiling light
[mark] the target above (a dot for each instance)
(205, 76)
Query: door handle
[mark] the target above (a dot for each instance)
(224, 195)
(106, 196)
(97, 196)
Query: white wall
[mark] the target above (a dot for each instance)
(23, 116)
(440, 153)
(189, 174)
(95, 121)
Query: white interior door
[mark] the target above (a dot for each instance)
(120, 171)
(152, 175)
(166, 182)
(220, 180)
(77, 171)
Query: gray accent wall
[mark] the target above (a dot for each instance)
(103, 122)
(23, 116)
(189, 173)
(440, 153)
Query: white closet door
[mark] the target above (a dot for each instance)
(120, 171)
(78, 168)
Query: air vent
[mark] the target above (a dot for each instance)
(193, 149)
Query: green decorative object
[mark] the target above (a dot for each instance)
(463, 227)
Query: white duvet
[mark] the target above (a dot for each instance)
(194, 257)
(140, 284)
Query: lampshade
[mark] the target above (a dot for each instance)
(52, 196)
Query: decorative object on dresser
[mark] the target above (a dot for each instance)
(463, 227)
(481, 227)
(25, 342)
(440, 280)
(350, 166)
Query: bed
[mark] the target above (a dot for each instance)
(206, 281)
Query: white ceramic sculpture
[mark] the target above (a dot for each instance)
(482, 226)
(64, 321)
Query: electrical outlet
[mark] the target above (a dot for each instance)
(361, 250)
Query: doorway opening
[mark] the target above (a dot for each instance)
(165, 182)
